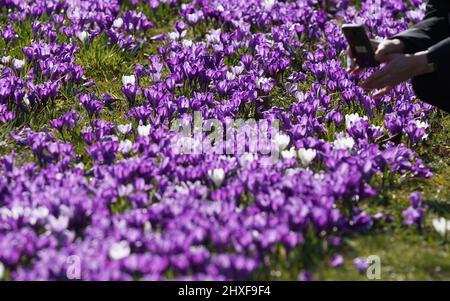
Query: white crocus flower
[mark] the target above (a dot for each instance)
(238, 69)
(300, 96)
(289, 154)
(128, 79)
(143, 130)
(281, 141)
(18, 64)
(125, 190)
(40, 212)
(26, 100)
(306, 155)
(174, 35)
(421, 124)
(291, 171)
(441, 225)
(213, 36)
(268, 4)
(352, 118)
(79, 165)
(124, 128)
(6, 59)
(192, 18)
(82, 36)
(187, 43)
(217, 175)
(147, 227)
(17, 211)
(231, 76)
(344, 143)
(261, 81)
(58, 224)
(125, 146)
(118, 23)
(247, 158)
(119, 250)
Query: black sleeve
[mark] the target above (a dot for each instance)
(433, 29)
(439, 55)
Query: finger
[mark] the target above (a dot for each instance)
(383, 91)
(382, 54)
(356, 70)
(386, 69)
(381, 82)
(370, 82)
(351, 65)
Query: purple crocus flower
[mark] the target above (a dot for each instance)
(415, 213)
(91, 105)
(361, 264)
(305, 276)
(68, 121)
(5, 114)
(336, 261)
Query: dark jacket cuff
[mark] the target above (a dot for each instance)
(409, 46)
(439, 56)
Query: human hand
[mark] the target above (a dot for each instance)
(381, 48)
(400, 68)
(387, 47)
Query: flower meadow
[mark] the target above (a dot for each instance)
(89, 91)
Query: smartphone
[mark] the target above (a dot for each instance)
(360, 45)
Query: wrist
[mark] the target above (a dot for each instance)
(422, 64)
(399, 46)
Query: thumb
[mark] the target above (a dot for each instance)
(381, 55)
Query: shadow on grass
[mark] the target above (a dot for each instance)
(440, 208)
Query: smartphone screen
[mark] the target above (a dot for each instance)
(360, 45)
